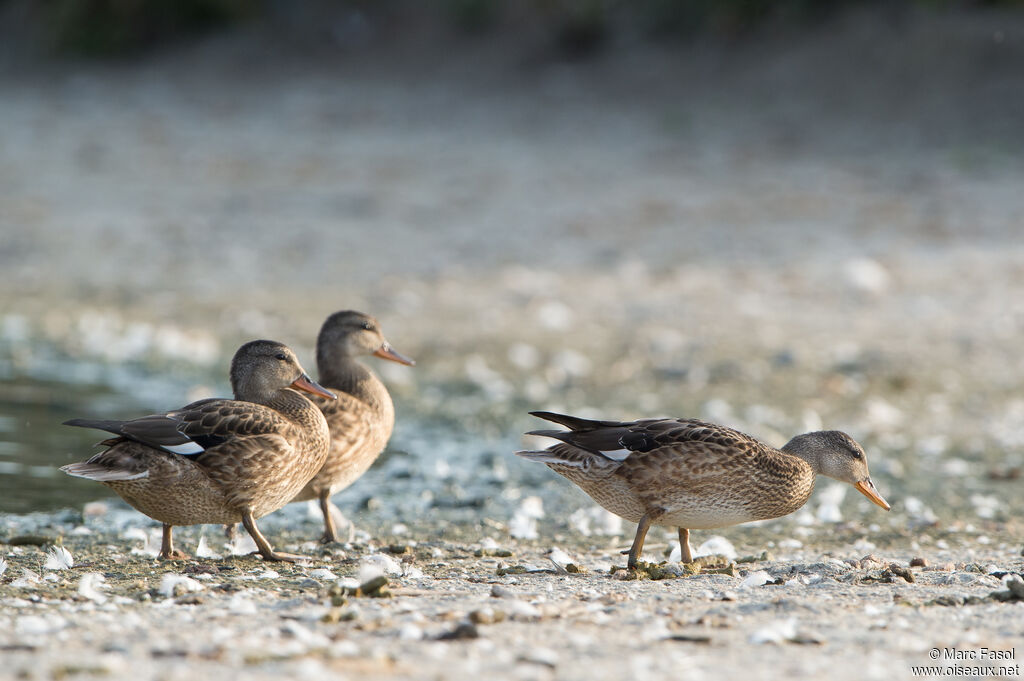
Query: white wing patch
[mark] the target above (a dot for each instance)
(618, 454)
(187, 449)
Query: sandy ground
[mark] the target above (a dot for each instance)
(772, 233)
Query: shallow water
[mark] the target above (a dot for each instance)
(34, 444)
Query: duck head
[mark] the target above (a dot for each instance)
(261, 369)
(350, 334)
(835, 454)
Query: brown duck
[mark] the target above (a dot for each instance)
(690, 474)
(362, 417)
(219, 460)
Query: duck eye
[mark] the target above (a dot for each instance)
(281, 356)
(368, 326)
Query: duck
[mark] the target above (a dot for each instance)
(219, 460)
(690, 474)
(362, 418)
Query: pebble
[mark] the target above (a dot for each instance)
(486, 616)
(541, 656)
(783, 631)
(462, 631)
(499, 591)
(410, 632)
(867, 276)
(1014, 589)
(521, 610)
(39, 625)
(919, 561)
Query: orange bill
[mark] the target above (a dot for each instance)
(867, 488)
(306, 383)
(387, 352)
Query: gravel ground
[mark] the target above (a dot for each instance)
(767, 233)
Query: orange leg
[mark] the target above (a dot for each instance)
(265, 549)
(684, 546)
(330, 533)
(638, 541)
(167, 550)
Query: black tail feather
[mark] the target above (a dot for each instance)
(99, 424)
(594, 436)
(575, 422)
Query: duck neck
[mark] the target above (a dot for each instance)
(295, 406)
(350, 376)
(809, 453)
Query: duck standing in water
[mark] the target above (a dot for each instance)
(690, 474)
(363, 416)
(219, 460)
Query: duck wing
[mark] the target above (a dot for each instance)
(196, 428)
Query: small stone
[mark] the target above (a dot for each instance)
(511, 570)
(949, 601)
(462, 632)
(486, 616)
(901, 571)
(919, 561)
(521, 610)
(372, 587)
(492, 553)
(499, 591)
(544, 657)
(1002, 596)
(1016, 586)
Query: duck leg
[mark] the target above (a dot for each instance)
(684, 546)
(330, 533)
(265, 549)
(638, 541)
(167, 550)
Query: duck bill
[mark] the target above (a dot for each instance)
(867, 488)
(307, 384)
(387, 352)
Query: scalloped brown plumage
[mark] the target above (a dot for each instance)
(692, 474)
(219, 460)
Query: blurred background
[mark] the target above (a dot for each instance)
(780, 216)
